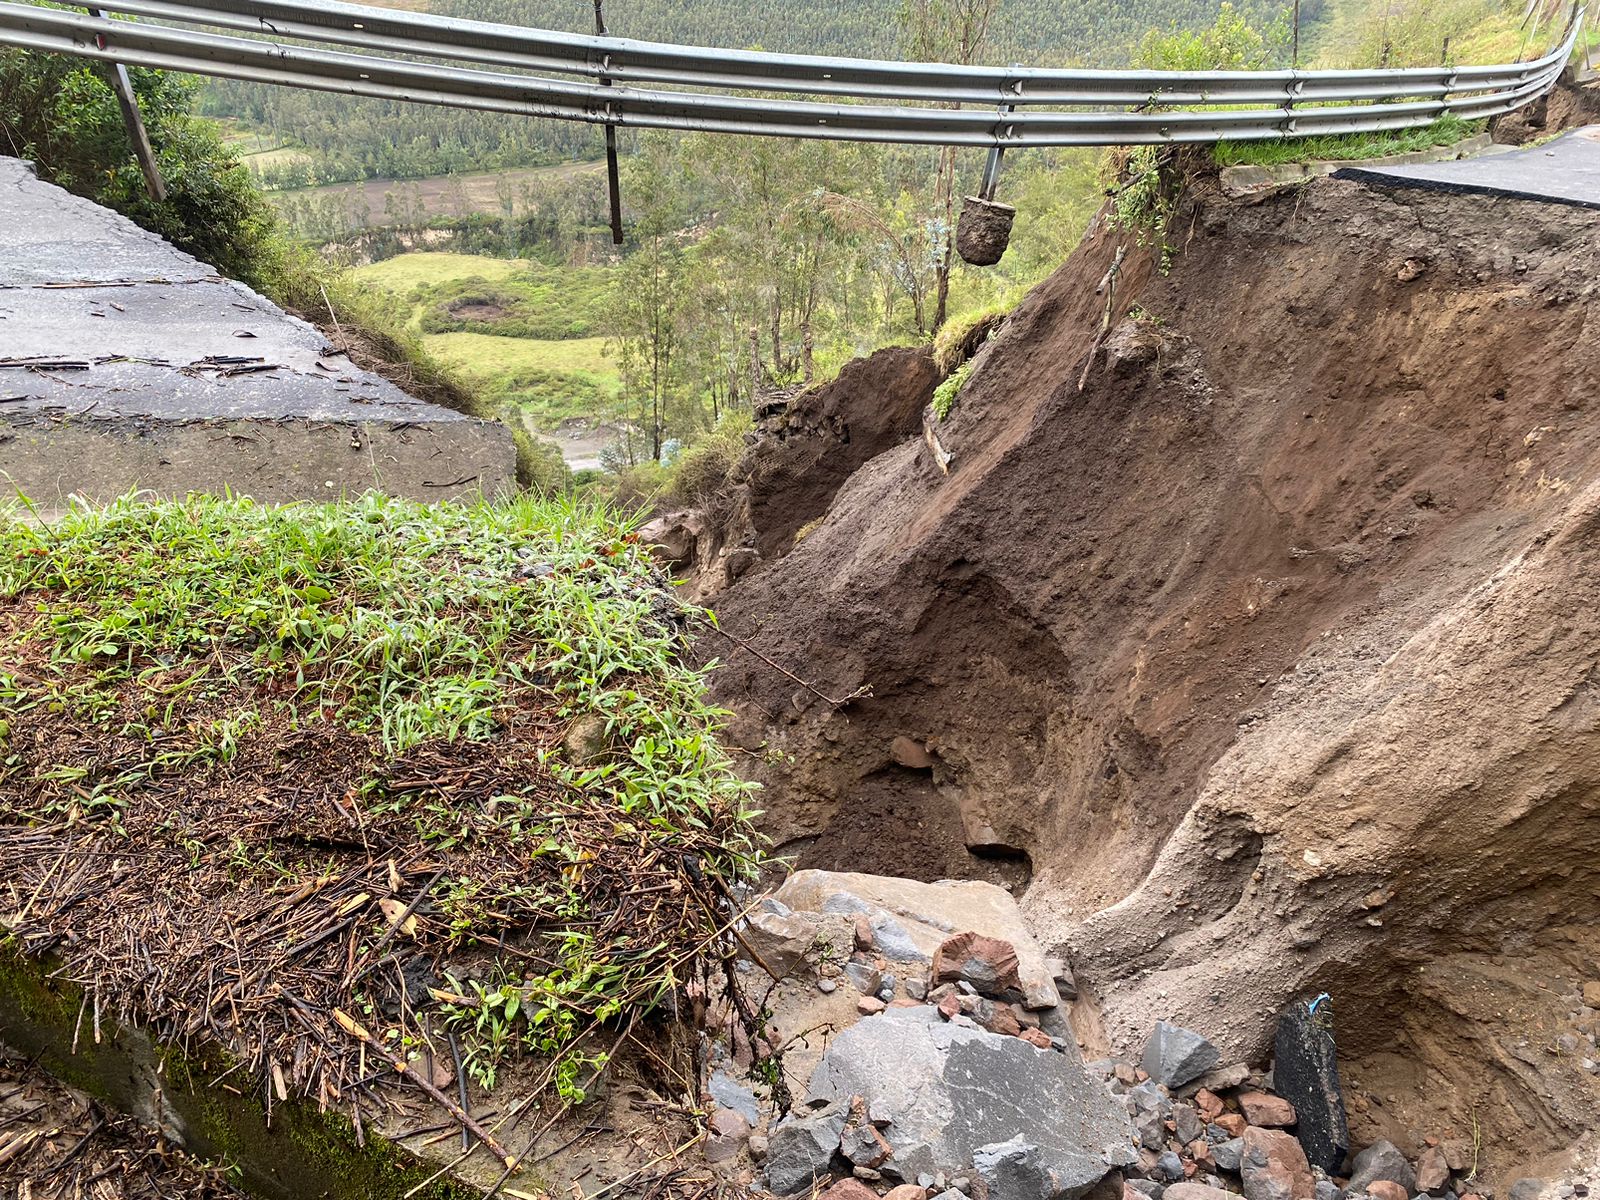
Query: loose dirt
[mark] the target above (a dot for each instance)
(1268, 638)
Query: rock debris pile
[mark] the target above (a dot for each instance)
(913, 1043)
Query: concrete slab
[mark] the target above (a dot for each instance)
(126, 364)
(1563, 171)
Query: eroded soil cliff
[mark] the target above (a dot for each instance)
(1253, 627)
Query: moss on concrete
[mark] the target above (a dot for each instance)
(304, 1154)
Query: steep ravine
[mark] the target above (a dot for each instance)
(1270, 654)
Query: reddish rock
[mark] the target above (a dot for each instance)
(1233, 1123)
(910, 753)
(1274, 1167)
(1125, 1073)
(869, 1006)
(1000, 1019)
(987, 963)
(1262, 1108)
(1386, 1189)
(906, 1191)
(1200, 1151)
(1182, 1191)
(949, 1007)
(849, 1189)
(1433, 1171)
(864, 935)
(1209, 1104)
(1036, 1037)
(904, 1002)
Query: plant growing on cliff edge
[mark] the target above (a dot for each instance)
(948, 392)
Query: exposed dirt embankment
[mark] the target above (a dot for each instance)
(1273, 649)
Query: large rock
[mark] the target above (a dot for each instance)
(1305, 1072)
(1274, 1167)
(910, 921)
(1174, 1056)
(942, 1092)
(1382, 1161)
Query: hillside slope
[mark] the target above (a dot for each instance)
(1271, 644)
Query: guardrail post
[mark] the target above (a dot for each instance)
(991, 168)
(129, 104)
(613, 172)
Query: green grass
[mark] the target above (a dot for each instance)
(1345, 147)
(546, 380)
(159, 660)
(486, 356)
(406, 271)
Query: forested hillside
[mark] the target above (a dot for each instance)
(346, 138)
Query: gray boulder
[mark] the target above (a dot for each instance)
(1381, 1160)
(802, 1147)
(940, 1092)
(1175, 1055)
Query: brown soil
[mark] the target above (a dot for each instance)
(1568, 106)
(1272, 646)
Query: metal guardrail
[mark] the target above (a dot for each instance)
(656, 85)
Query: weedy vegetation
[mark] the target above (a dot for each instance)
(271, 774)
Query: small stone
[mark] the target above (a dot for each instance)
(869, 1006)
(1433, 1172)
(1186, 1123)
(827, 986)
(1221, 1079)
(849, 1189)
(1533, 1189)
(1274, 1167)
(1382, 1161)
(885, 990)
(864, 936)
(1196, 1191)
(907, 1191)
(1169, 1167)
(1233, 1124)
(1327, 1189)
(1199, 1151)
(910, 753)
(1259, 1108)
(998, 1018)
(1209, 1104)
(1036, 1037)
(917, 988)
(950, 1007)
(730, 1123)
(1228, 1154)
(720, 1149)
(864, 977)
(989, 964)
(758, 1147)
(1591, 994)
(1175, 1055)
(1147, 1188)
(1385, 1189)
(1125, 1073)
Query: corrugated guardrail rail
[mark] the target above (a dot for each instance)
(506, 68)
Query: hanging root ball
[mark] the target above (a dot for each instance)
(983, 231)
